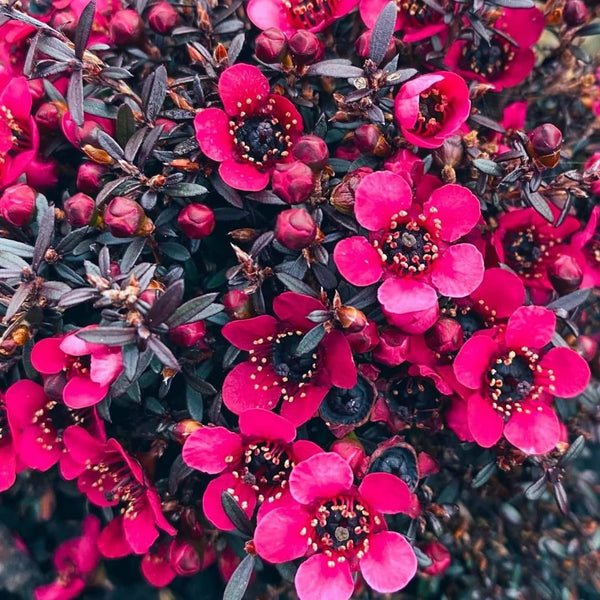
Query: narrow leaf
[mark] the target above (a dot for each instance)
(165, 305)
(489, 167)
(108, 336)
(163, 354)
(75, 97)
(236, 515)
(84, 27)
(44, 238)
(536, 489)
(187, 312)
(296, 285)
(382, 32)
(484, 475)
(157, 94)
(238, 583)
(311, 340)
(110, 146)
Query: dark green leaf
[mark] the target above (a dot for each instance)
(236, 515)
(175, 251)
(296, 285)
(489, 167)
(311, 340)
(484, 475)
(148, 145)
(194, 402)
(422, 558)
(186, 190)
(536, 489)
(238, 583)
(575, 449)
(108, 336)
(157, 94)
(382, 32)
(163, 353)
(591, 29)
(188, 312)
(125, 124)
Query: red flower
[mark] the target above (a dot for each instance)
(341, 528)
(431, 108)
(75, 560)
(513, 380)
(38, 422)
(8, 454)
(110, 477)
(412, 247)
(89, 368)
(254, 464)
(585, 247)
(254, 132)
(500, 63)
(275, 371)
(291, 15)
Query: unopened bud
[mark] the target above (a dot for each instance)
(544, 145)
(565, 274)
(271, 45)
(364, 340)
(237, 304)
(586, 346)
(183, 558)
(305, 47)
(125, 218)
(312, 151)
(163, 18)
(351, 450)
(188, 334)
(363, 46)
(184, 429)
(197, 221)
(292, 182)
(17, 204)
(450, 153)
(89, 177)
(351, 318)
(446, 336)
(48, 116)
(295, 229)
(440, 558)
(126, 27)
(79, 208)
(342, 197)
(575, 13)
(369, 140)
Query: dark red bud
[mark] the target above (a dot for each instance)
(351, 450)
(126, 27)
(544, 145)
(312, 151)
(440, 557)
(125, 218)
(364, 340)
(295, 229)
(48, 116)
(292, 182)
(80, 209)
(305, 47)
(575, 13)
(89, 177)
(271, 45)
(188, 334)
(197, 221)
(183, 558)
(351, 319)
(363, 43)
(586, 346)
(237, 304)
(163, 18)
(17, 204)
(565, 274)
(445, 336)
(369, 140)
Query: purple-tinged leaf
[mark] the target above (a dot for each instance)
(382, 32)
(84, 28)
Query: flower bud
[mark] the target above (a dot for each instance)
(188, 334)
(17, 204)
(197, 221)
(305, 47)
(126, 27)
(565, 274)
(450, 153)
(342, 196)
(125, 218)
(182, 430)
(575, 13)
(237, 304)
(292, 182)
(544, 145)
(271, 45)
(586, 346)
(163, 18)
(42, 174)
(351, 450)
(363, 46)
(183, 558)
(89, 177)
(369, 140)
(80, 209)
(364, 340)
(440, 557)
(446, 336)
(48, 116)
(295, 229)
(65, 21)
(351, 318)
(312, 151)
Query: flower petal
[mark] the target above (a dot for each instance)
(263, 424)
(213, 506)
(570, 371)
(212, 133)
(458, 271)
(474, 359)
(322, 475)
(243, 176)
(140, 531)
(278, 538)
(321, 577)
(338, 360)
(294, 309)
(385, 493)
(244, 333)
(500, 290)
(81, 392)
(357, 261)
(302, 408)
(536, 430)
(456, 207)
(485, 423)
(23, 398)
(112, 542)
(46, 356)
(243, 88)
(106, 366)
(241, 392)
(210, 449)
(531, 326)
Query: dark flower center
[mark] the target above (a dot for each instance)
(510, 379)
(261, 140)
(342, 525)
(305, 14)
(414, 399)
(470, 322)
(432, 112)
(488, 60)
(348, 407)
(522, 251)
(417, 13)
(399, 461)
(265, 464)
(408, 247)
(287, 363)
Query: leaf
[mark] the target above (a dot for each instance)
(44, 238)
(125, 127)
(75, 97)
(115, 73)
(71, 240)
(227, 192)
(423, 560)
(538, 203)
(148, 145)
(84, 27)
(575, 449)
(175, 251)
(382, 32)
(238, 583)
(484, 475)
(561, 497)
(163, 353)
(189, 311)
(194, 403)
(75, 297)
(311, 340)
(335, 68)
(319, 316)
(570, 301)
(487, 122)
(591, 29)
(133, 144)
(53, 290)
(130, 256)
(536, 489)
(186, 190)
(235, 47)
(513, 3)
(266, 197)
(111, 147)
(108, 336)
(296, 285)
(54, 48)
(236, 515)
(165, 305)
(158, 91)
(489, 167)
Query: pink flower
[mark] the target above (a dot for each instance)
(37, 423)
(75, 561)
(292, 15)
(275, 371)
(412, 248)
(254, 465)
(8, 454)
(431, 108)
(513, 380)
(89, 368)
(110, 477)
(341, 528)
(500, 63)
(254, 132)
(585, 247)
(440, 557)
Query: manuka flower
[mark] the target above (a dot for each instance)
(513, 379)
(254, 465)
(37, 423)
(585, 248)
(341, 528)
(431, 108)
(276, 370)
(8, 454)
(412, 247)
(500, 63)
(292, 15)
(89, 368)
(110, 477)
(254, 132)
(75, 561)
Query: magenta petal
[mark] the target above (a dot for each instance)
(23, 398)
(47, 357)
(263, 424)
(485, 423)
(500, 290)
(243, 176)
(244, 333)
(140, 531)
(294, 308)
(378, 197)
(338, 360)
(458, 271)
(213, 506)
(112, 542)
(474, 359)
(81, 392)
(302, 408)
(82, 445)
(32, 451)
(279, 538)
(211, 449)
(457, 208)
(321, 476)
(240, 393)
(73, 345)
(570, 371)
(530, 326)
(536, 430)
(157, 570)
(390, 563)
(212, 134)
(319, 577)
(357, 261)
(385, 493)
(106, 366)
(8, 465)
(244, 88)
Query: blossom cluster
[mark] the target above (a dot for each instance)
(293, 293)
